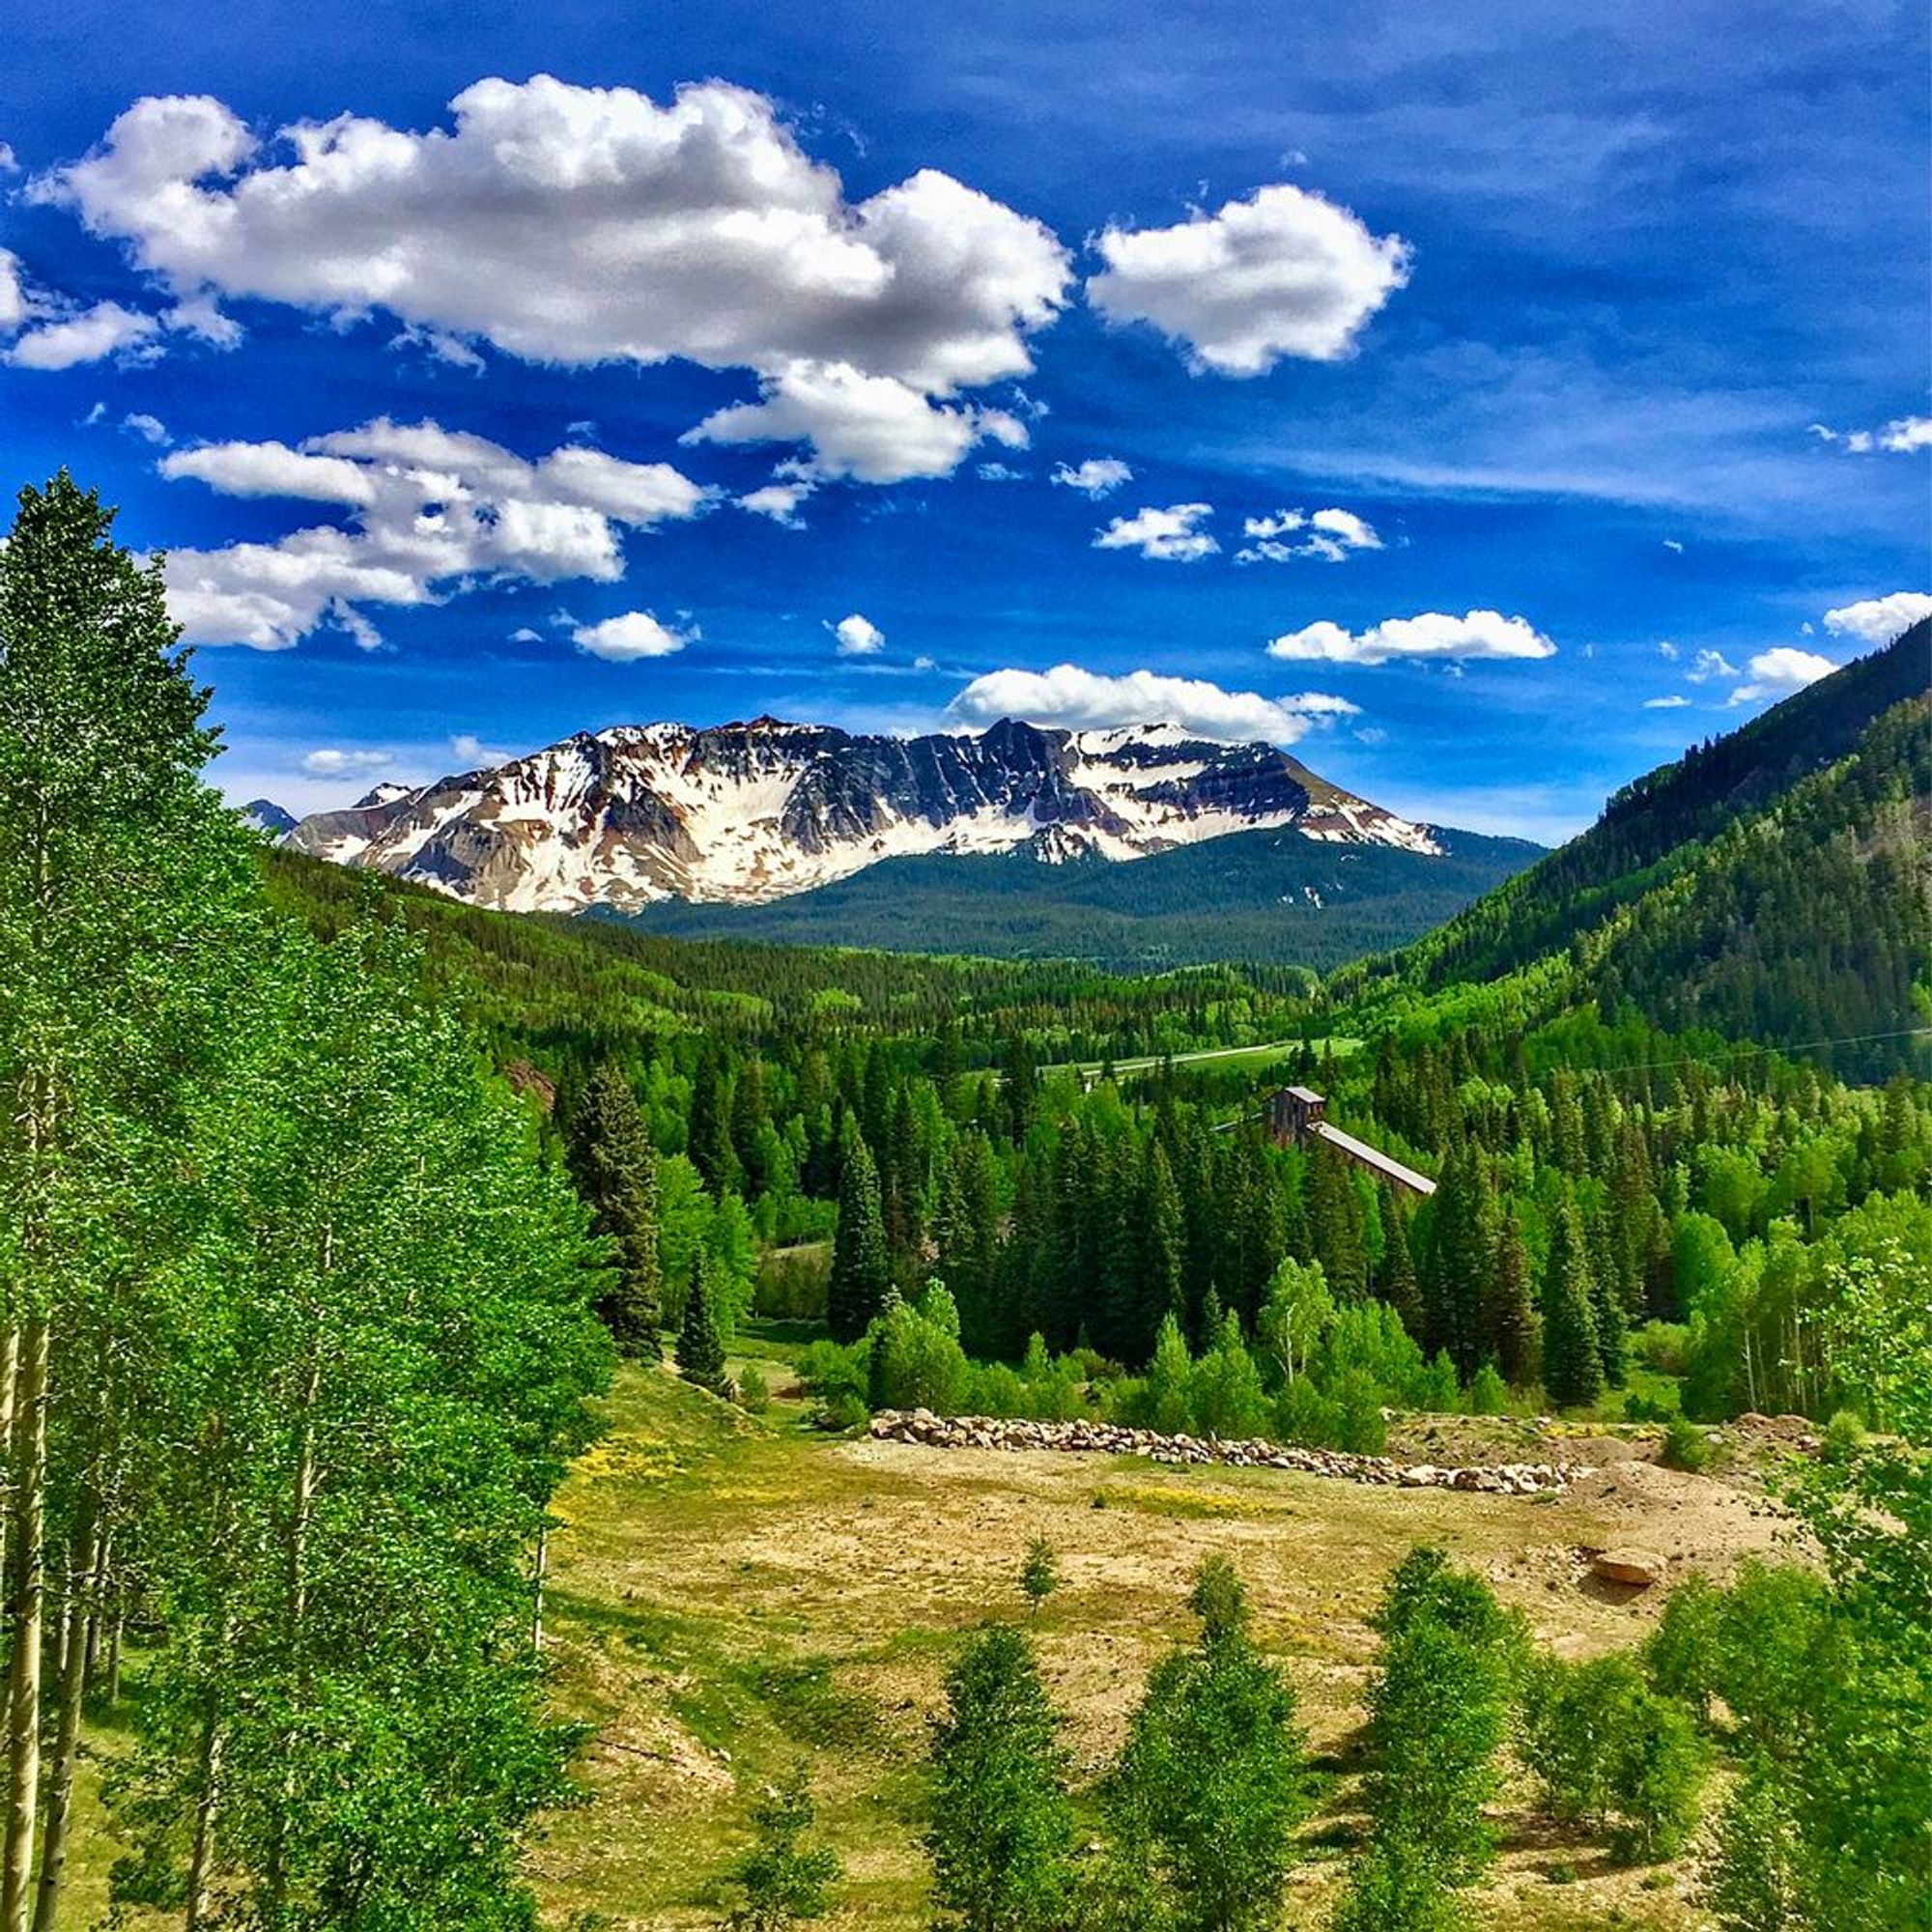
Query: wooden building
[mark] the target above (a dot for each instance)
(1295, 1117)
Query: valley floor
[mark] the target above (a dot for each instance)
(731, 1594)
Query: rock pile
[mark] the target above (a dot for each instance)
(1107, 1439)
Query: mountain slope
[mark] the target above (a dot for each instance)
(1274, 897)
(1776, 886)
(745, 813)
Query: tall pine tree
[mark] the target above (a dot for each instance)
(615, 1170)
(860, 1266)
(1572, 1370)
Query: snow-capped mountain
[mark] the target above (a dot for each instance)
(742, 814)
(265, 816)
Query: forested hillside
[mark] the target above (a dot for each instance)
(1269, 896)
(1773, 886)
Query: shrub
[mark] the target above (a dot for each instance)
(1684, 1445)
(1039, 1574)
(1359, 1401)
(1844, 1437)
(1488, 1393)
(843, 1411)
(783, 1880)
(792, 1283)
(1612, 1754)
(753, 1392)
(1684, 1653)
(1662, 1345)
(1002, 1823)
(1208, 1786)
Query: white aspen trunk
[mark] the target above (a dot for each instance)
(66, 1729)
(23, 1683)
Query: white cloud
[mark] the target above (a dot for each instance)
(1097, 478)
(1780, 671)
(629, 637)
(858, 636)
(876, 429)
(428, 509)
(523, 635)
(1672, 544)
(150, 429)
(330, 763)
(90, 336)
(1283, 274)
(1877, 620)
(1173, 535)
(1708, 665)
(1897, 438)
(581, 225)
(780, 500)
(1676, 701)
(473, 752)
(1667, 649)
(1087, 701)
(1332, 535)
(13, 305)
(1477, 633)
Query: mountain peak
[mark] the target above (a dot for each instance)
(763, 808)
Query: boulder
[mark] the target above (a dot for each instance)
(1629, 1564)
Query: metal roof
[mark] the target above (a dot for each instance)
(1361, 1151)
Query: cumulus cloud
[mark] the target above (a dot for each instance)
(150, 429)
(427, 509)
(1173, 535)
(1097, 478)
(629, 637)
(473, 752)
(1877, 620)
(1284, 274)
(1476, 634)
(1897, 438)
(1089, 700)
(780, 500)
(1778, 672)
(330, 763)
(1332, 535)
(90, 336)
(13, 292)
(875, 429)
(858, 636)
(580, 225)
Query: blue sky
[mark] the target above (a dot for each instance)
(1572, 372)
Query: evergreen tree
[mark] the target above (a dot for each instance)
(1335, 1215)
(1000, 1831)
(1162, 1240)
(700, 1353)
(1462, 1259)
(1511, 1320)
(861, 1268)
(615, 1170)
(708, 1138)
(1399, 1286)
(1573, 1368)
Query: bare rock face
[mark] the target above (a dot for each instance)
(1108, 1438)
(1628, 1564)
(746, 813)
